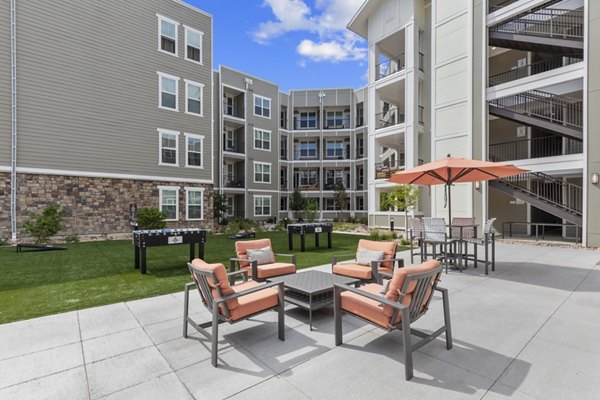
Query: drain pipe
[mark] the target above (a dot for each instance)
(13, 82)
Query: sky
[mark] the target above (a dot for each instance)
(297, 44)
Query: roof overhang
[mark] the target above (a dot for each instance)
(359, 24)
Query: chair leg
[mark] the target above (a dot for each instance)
(475, 255)
(493, 253)
(186, 302)
(486, 256)
(407, 342)
(215, 335)
(337, 315)
(281, 316)
(447, 324)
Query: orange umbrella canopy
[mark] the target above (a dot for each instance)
(451, 170)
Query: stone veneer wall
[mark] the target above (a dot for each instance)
(92, 206)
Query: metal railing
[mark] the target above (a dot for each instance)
(298, 156)
(532, 69)
(237, 112)
(552, 190)
(344, 123)
(553, 108)
(233, 149)
(547, 22)
(544, 232)
(309, 186)
(390, 66)
(233, 183)
(387, 118)
(386, 169)
(500, 5)
(331, 184)
(548, 146)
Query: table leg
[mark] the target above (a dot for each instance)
(316, 239)
(290, 241)
(143, 251)
(192, 251)
(136, 256)
(310, 312)
(201, 249)
(329, 239)
(302, 243)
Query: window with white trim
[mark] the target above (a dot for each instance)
(193, 97)
(193, 44)
(307, 149)
(169, 201)
(194, 149)
(335, 119)
(262, 172)
(262, 206)
(168, 147)
(262, 106)
(334, 148)
(262, 139)
(194, 201)
(229, 206)
(283, 203)
(167, 35)
(167, 87)
(308, 120)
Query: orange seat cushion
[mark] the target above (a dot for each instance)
(397, 283)
(253, 302)
(242, 247)
(388, 248)
(271, 270)
(366, 308)
(222, 281)
(358, 271)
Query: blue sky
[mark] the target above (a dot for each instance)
(297, 44)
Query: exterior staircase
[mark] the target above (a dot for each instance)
(554, 113)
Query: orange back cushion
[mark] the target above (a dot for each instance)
(222, 281)
(397, 283)
(388, 248)
(242, 247)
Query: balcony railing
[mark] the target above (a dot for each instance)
(503, 4)
(548, 146)
(385, 170)
(302, 157)
(233, 183)
(532, 69)
(331, 184)
(546, 22)
(335, 156)
(237, 112)
(308, 125)
(309, 186)
(233, 148)
(283, 185)
(343, 123)
(390, 117)
(390, 66)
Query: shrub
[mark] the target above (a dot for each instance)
(42, 226)
(151, 218)
(72, 238)
(3, 242)
(375, 235)
(309, 213)
(362, 220)
(405, 242)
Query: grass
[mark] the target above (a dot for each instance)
(97, 273)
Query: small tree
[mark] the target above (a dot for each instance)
(403, 198)
(297, 202)
(310, 211)
(151, 218)
(219, 207)
(42, 226)
(340, 197)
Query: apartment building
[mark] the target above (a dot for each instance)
(103, 105)
(505, 81)
(271, 143)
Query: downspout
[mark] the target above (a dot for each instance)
(13, 83)
(321, 156)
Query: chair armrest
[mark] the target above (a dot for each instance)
(292, 256)
(249, 291)
(334, 259)
(189, 285)
(399, 261)
(441, 289)
(253, 264)
(242, 272)
(371, 296)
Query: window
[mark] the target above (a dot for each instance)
(308, 178)
(228, 105)
(284, 204)
(307, 149)
(331, 205)
(193, 45)
(335, 148)
(169, 201)
(262, 106)
(335, 119)
(308, 120)
(229, 206)
(167, 35)
(194, 146)
(262, 172)
(229, 138)
(262, 206)
(360, 203)
(168, 146)
(262, 140)
(168, 92)
(360, 147)
(194, 200)
(193, 97)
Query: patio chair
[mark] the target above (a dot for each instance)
(406, 300)
(415, 233)
(261, 268)
(227, 303)
(371, 269)
(488, 240)
(435, 234)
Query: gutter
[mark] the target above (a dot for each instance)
(13, 82)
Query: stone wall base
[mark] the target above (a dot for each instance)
(92, 206)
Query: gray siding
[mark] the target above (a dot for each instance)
(88, 86)
(5, 128)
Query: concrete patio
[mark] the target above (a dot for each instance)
(530, 330)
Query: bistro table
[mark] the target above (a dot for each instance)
(166, 237)
(302, 229)
(460, 240)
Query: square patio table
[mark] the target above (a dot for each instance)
(311, 290)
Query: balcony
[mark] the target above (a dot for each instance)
(310, 185)
(338, 123)
(230, 182)
(283, 185)
(360, 121)
(390, 66)
(331, 184)
(531, 69)
(233, 148)
(360, 152)
(386, 169)
(548, 146)
(389, 118)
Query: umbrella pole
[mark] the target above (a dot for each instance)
(449, 187)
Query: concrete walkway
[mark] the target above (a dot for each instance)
(530, 330)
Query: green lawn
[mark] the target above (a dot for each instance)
(96, 273)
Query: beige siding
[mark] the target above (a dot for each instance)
(88, 86)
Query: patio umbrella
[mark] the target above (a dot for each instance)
(450, 170)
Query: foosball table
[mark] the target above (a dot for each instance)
(315, 228)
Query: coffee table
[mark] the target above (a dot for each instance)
(311, 290)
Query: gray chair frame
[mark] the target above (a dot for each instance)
(254, 265)
(410, 313)
(212, 305)
(415, 234)
(437, 235)
(376, 276)
(489, 238)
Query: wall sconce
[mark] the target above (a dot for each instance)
(477, 185)
(595, 178)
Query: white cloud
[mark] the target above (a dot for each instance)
(328, 21)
